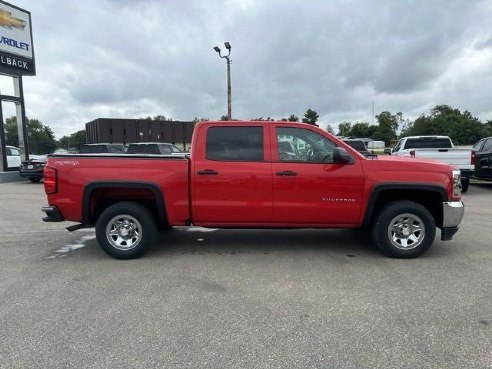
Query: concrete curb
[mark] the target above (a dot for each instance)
(11, 177)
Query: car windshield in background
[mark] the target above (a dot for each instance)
(358, 145)
(152, 148)
(103, 148)
(428, 143)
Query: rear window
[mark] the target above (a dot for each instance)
(234, 144)
(428, 143)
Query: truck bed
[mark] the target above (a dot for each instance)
(118, 173)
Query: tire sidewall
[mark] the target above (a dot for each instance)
(137, 211)
(389, 212)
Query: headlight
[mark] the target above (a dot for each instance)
(456, 184)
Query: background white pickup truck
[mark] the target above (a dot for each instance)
(439, 148)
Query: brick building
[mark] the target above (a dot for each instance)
(139, 130)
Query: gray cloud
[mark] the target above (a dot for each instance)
(130, 59)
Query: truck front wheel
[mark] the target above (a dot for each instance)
(404, 229)
(126, 230)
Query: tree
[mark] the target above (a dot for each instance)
(157, 117)
(344, 129)
(462, 127)
(310, 117)
(40, 138)
(261, 119)
(387, 127)
(487, 129)
(74, 141)
(224, 117)
(292, 118)
(196, 120)
(362, 129)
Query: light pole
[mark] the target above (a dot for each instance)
(226, 57)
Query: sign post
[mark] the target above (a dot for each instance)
(16, 60)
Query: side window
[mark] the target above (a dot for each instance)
(15, 152)
(303, 145)
(8, 151)
(487, 147)
(165, 149)
(478, 145)
(234, 144)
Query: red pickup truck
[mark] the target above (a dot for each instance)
(238, 177)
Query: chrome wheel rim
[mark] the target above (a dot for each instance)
(124, 232)
(406, 231)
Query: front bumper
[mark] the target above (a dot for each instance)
(52, 214)
(452, 215)
(467, 173)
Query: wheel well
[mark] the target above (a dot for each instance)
(96, 200)
(432, 200)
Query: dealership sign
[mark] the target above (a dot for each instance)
(16, 49)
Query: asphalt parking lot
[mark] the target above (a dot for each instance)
(241, 299)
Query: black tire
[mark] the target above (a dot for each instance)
(404, 229)
(34, 179)
(126, 230)
(465, 183)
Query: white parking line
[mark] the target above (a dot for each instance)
(70, 247)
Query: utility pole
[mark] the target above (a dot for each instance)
(228, 62)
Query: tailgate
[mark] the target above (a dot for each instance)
(460, 158)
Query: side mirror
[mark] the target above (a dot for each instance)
(387, 151)
(341, 156)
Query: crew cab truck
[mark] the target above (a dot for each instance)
(236, 177)
(438, 148)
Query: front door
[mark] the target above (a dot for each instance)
(309, 188)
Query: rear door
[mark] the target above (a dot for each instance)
(311, 189)
(232, 176)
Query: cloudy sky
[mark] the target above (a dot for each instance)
(131, 59)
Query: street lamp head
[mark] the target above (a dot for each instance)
(216, 48)
(227, 45)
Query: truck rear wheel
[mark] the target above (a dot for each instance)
(465, 183)
(404, 229)
(126, 230)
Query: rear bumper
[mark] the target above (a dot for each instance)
(52, 214)
(31, 173)
(453, 212)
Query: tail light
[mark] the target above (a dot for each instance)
(472, 160)
(50, 180)
(456, 195)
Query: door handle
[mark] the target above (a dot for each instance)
(286, 173)
(208, 172)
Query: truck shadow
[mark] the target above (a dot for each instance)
(263, 241)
